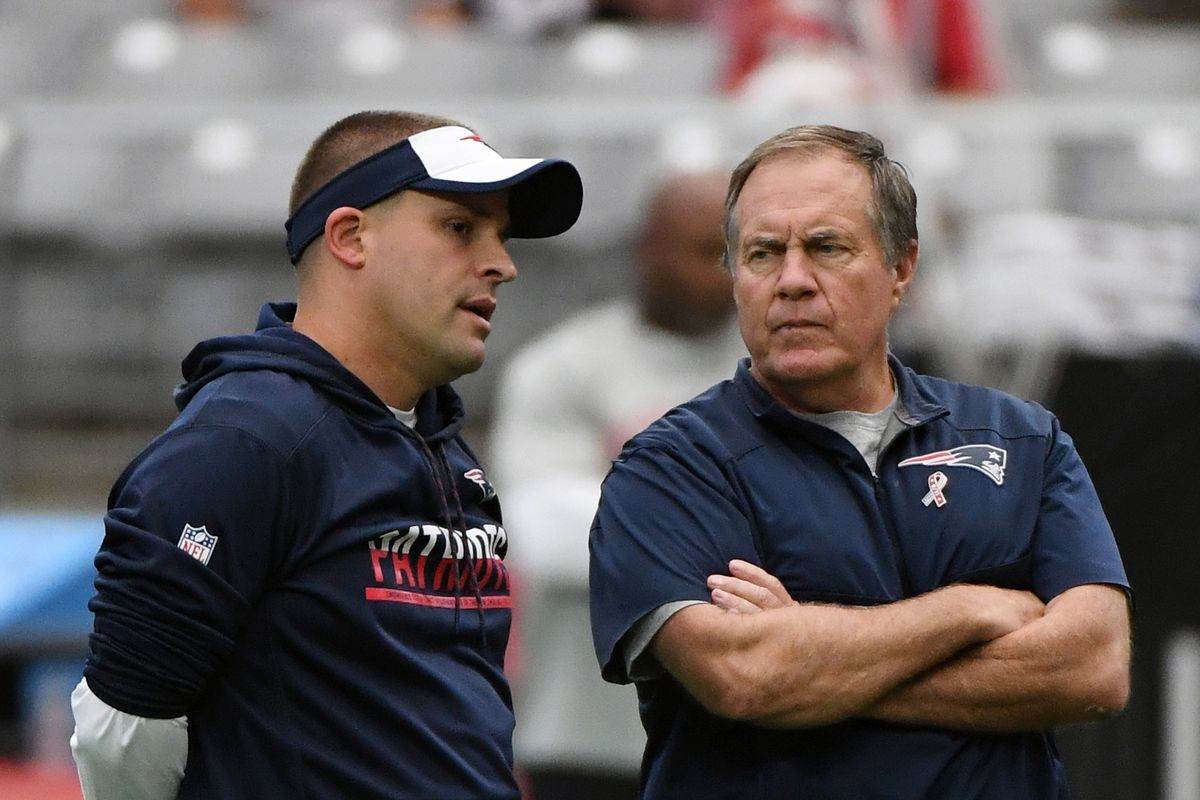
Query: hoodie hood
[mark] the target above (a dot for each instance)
(275, 346)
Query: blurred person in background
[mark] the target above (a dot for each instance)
(301, 590)
(445, 14)
(655, 12)
(566, 404)
(1159, 11)
(815, 50)
(797, 51)
(831, 576)
(532, 18)
(213, 12)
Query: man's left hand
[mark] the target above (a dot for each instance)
(747, 589)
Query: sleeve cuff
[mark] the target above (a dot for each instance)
(640, 663)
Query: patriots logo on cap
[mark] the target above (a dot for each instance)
(986, 458)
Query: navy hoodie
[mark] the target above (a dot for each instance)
(319, 588)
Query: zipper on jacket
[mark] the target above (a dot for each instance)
(885, 512)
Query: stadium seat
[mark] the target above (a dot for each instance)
(164, 61)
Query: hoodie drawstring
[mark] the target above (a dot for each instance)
(440, 466)
(470, 563)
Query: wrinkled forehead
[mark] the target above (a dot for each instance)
(805, 189)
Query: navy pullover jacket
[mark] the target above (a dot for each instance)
(316, 586)
(734, 474)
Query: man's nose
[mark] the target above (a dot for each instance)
(796, 277)
(498, 264)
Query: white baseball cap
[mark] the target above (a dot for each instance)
(545, 194)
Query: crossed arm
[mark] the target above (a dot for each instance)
(966, 657)
(1071, 665)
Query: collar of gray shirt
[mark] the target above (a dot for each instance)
(869, 432)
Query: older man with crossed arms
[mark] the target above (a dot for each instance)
(927, 580)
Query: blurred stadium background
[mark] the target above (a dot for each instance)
(147, 147)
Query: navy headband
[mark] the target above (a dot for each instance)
(545, 200)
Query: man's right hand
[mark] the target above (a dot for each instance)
(757, 656)
(749, 589)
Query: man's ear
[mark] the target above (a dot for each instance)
(343, 240)
(906, 270)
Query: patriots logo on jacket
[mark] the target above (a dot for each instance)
(986, 458)
(476, 476)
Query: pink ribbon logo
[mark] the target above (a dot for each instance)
(937, 482)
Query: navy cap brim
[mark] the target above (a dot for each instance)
(544, 199)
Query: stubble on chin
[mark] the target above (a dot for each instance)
(794, 377)
(469, 359)
(795, 366)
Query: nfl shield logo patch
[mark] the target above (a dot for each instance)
(197, 543)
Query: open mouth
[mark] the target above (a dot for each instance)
(481, 306)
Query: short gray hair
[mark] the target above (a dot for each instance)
(893, 208)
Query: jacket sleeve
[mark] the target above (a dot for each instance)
(190, 538)
(664, 525)
(1072, 542)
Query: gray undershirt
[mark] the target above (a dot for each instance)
(869, 432)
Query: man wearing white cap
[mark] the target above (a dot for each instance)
(301, 590)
